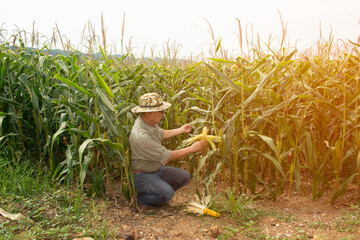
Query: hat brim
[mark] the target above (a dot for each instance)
(138, 109)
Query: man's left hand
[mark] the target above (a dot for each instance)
(186, 128)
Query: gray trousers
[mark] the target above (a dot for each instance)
(156, 188)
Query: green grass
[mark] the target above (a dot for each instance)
(350, 222)
(51, 211)
(21, 179)
(238, 206)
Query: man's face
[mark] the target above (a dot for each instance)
(155, 117)
(158, 115)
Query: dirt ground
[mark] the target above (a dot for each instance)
(289, 217)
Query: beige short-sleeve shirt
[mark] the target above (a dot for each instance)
(147, 152)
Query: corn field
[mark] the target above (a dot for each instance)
(283, 117)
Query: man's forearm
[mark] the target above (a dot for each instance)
(176, 154)
(172, 132)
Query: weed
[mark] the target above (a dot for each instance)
(282, 217)
(229, 233)
(238, 206)
(318, 225)
(50, 212)
(350, 221)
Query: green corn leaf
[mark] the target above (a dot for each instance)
(84, 167)
(249, 99)
(198, 97)
(89, 143)
(103, 54)
(83, 146)
(84, 133)
(1, 122)
(74, 85)
(199, 110)
(162, 71)
(81, 113)
(74, 76)
(35, 102)
(102, 83)
(229, 93)
(3, 114)
(54, 138)
(342, 190)
(212, 144)
(270, 142)
(256, 68)
(177, 95)
(108, 117)
(67, 165)
(259, 178)
(99, 141)
(222, 60)
(222, 76)
(105, 100)
(63, 66)
(275, 163)
(176, 74)
(203, 160)
(318, 173)
(264, 80)
(61, 129)
(283, 104)
(9, 135)
(14, 103)
(218, 46)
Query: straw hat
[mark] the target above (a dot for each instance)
(150, 102)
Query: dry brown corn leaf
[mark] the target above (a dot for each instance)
(11, 215)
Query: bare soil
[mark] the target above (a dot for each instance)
(291, 216)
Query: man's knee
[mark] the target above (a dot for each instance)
(187, 178)
(167, 195)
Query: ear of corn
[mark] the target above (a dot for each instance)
(201, 207)
(210, 212)
(211, 139)
(204, 133)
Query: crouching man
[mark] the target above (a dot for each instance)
(156, 183)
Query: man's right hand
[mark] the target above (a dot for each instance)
(196, 147)
(199, 146)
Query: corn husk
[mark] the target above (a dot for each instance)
(201, 207)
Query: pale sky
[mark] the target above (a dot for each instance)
(153, 23)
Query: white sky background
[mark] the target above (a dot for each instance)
(153, 23)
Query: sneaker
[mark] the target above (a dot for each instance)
(147, 210)
(167, 204)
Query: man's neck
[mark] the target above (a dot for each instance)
(143, 117)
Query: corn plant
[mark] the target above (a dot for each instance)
(283, 117)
